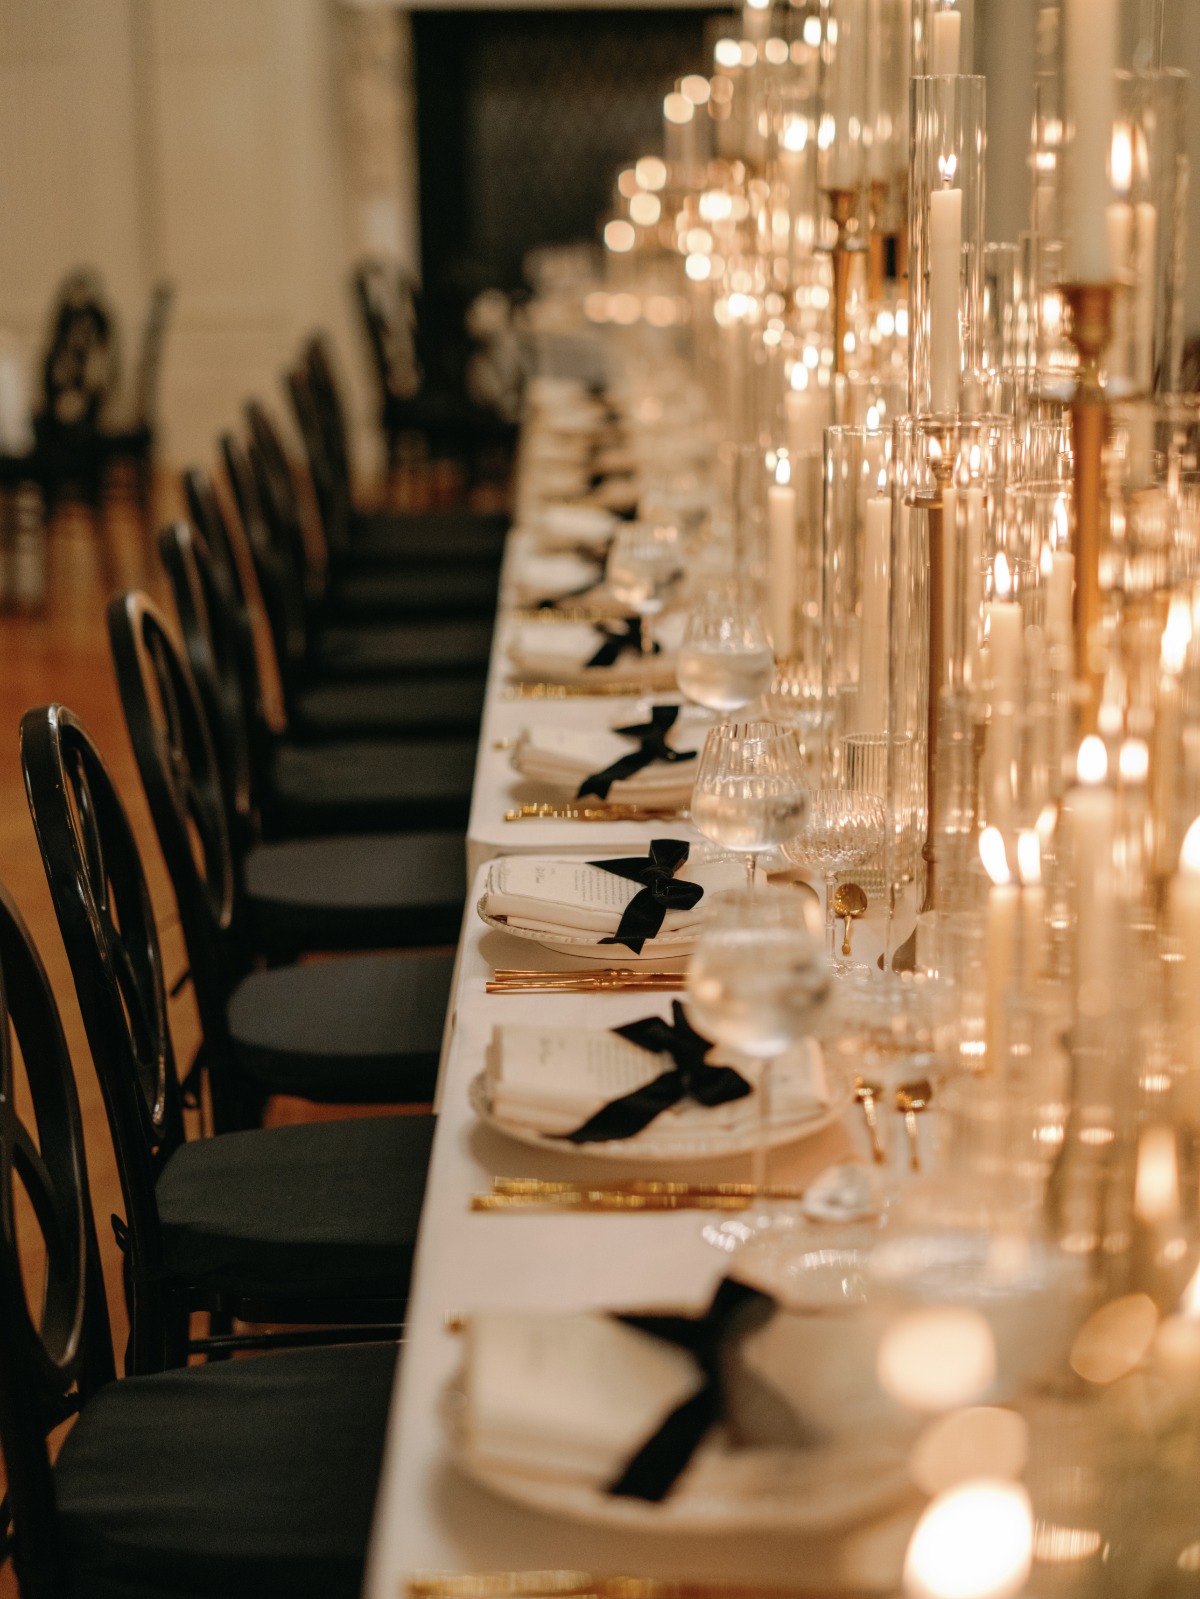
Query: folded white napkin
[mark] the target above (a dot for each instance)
(547, 577)
(552, 1079)
(562, 523)
(572, 897)
(563, 758)
(559, 653)
(567, 1395)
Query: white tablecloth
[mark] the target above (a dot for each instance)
(428, 1516)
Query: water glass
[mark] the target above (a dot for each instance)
(750, 794)
(843, 830)
(645, 562)
(725, 662)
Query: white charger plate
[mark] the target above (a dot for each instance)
(822, 1489)
(666, 1138)
(657, 953)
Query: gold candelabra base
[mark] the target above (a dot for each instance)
(844, 205)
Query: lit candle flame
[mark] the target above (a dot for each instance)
(994, 856)
(1061, 525)
(948, 166)
(1092, 765)
(1189, 855)
(1122, 160)
(1029, 857)
(783, 471)
(1156, 1184)
(677, 108)
(1177, 635)
(974, 1542)
(795, 135)
(1133, 763)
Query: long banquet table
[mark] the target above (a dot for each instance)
(429, 1517)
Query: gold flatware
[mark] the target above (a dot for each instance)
(596, 813)
(583, 1585)
(646, 1185)
(610, 979)
(911, 1099)
(566, 613)
(849, 902)
(866, 1093)
(571, 691)
(610, 1199)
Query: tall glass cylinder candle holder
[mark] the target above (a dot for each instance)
(792, 176)
(946, 240)
(889, 68)
(948, 481)
(841, 165)
(1145, 230)
(854, 631)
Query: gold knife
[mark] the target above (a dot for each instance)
(597, 813)
(629, 690)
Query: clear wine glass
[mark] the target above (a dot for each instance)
(757, 984)
(645, 562)
(841, 830)
(750, 794)
(725, 662)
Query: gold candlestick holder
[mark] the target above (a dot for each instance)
(1089, 327)
(844, 206)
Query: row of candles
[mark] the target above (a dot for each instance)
(967, 496)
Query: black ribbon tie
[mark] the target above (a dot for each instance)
(619, 639)
(652, 746)
(643, 917)
(689, 1078)
(735, 1312)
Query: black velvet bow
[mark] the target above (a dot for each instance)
(616, 640)
(652, 746)
(643, 917)
(689, 1078)
(736, 1311)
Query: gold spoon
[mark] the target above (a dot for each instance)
(911, 1099)
(864, 1093)
(849, 902)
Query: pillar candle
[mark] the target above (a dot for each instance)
(781, 566)
(1033, 905)
(945, 271)
(1090, 808)
(873, 647)
(946, 45)
(1006, 633)
(949, 571)
(973, 577)
(1058, 570)
(1185, 922)
(1003, 908)
(1091, 61)
(805, 419)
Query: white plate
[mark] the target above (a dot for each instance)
(657, 953)
(722, 1490)
(669, 1139)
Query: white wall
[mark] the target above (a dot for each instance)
(195, 139)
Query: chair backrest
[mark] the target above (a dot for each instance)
(326, 391)
(175, 757)
(385, 302)
(107, 923)
(328, 479)
(149, 363)
(79, 372)
(281, 582)
(52, 1359)
(219, 645)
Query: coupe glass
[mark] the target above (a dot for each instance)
(843, 829)
(756, 984)
(645, 562)
(725, 661)
(750, 794)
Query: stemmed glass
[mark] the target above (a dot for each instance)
(725, 662)
(757, 984)
(645, 562)
(842, 829)
(750, 794)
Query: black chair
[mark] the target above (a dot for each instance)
(131, 443)
(342, 774)
(366, 1029)
(384, 891)
(311, 1225)
(336, 647)
(403, 589)
(249, 1477)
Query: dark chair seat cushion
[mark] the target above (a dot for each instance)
(363, 1030)
(425, 538)
(369, 786)
(250, 1479)
(385, 708)
(454, 591)
(422, 648)
(385, 891)
(325, 1210)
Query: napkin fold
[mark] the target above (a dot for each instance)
(586, 763)
(562, 652)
